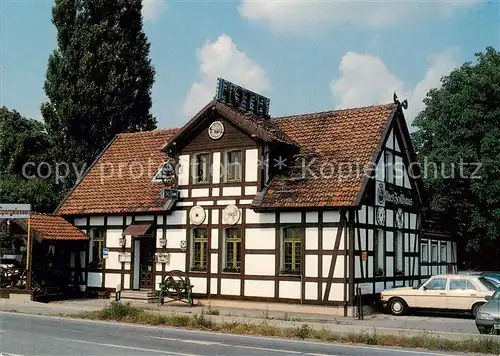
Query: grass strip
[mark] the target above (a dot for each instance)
(125, 312)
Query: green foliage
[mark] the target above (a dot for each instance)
(461, 123)
(99, 78)
(24, 141)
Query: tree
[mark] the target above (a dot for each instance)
(459, 130)
(24, 146)
(99, 78)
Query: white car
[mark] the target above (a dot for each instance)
(446, 292)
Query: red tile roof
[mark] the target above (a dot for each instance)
(337, 147)
(121, 179)
(52, 228)
(343, 136)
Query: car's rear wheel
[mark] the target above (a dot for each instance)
(397, 306)
(475, 308)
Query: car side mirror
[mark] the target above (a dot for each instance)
(488, 297)
(425, 288)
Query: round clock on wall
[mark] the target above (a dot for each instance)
(380, 216)
(399, 218)
(230, 215)
(197, 215)
(216, 130)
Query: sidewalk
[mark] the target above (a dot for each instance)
(449, 328)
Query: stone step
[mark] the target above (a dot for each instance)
(136, 296)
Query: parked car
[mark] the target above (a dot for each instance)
(494, 277)
(488, 316)
(465, 293)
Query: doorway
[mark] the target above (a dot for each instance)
(144, 263)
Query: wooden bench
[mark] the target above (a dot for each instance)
(176, 286)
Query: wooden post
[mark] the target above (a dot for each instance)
(28, 257)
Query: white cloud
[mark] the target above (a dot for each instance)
(366, 80)
(223, 59)
(152, 9)
(303, 16)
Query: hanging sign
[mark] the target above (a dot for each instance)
(241, 98)
(390, 193)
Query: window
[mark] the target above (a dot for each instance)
(232, 166)
(399, 253)
(458, 284)
(436, 284)
(199, 250)
(291, 250)
(434, 252)
(379, 253)
(389, 167)
(233, 250)
(96, 248)
(487, 283)
(424, 252)
(200, 168)
(443, 252)
(461, 284)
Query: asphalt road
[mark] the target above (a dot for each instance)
(23, 335)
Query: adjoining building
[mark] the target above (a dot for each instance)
(299, 209)
(41, 255)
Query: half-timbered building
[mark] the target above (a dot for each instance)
(299, 209)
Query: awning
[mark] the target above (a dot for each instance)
(136, 229)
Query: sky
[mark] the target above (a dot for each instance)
(306, 56)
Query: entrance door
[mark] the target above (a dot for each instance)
(146, 263)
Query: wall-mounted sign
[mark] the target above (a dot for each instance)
(183, 245)
(241, 98)
(105, 252)
(390, 193)
(380, 216)
(399, 218)
(364, 256)
(125, 257)
(216, 130)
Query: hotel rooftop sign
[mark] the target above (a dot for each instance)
(241, 98)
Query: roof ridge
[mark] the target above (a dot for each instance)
(148, 132)
(329, 112)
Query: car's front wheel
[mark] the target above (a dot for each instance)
(397, 306)
(484, 330)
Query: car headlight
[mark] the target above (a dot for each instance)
(484, 316)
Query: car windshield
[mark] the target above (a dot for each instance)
(421, 283)
(494, 280)
(487, 283)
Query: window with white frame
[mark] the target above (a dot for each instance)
(424, 252)
(291, 249)
(199, 250)
(443, 252)
(200, 168)
(399, 248)
(232, 250)
(97, 237)
(434, 252)
(232, 166)
(378, 253)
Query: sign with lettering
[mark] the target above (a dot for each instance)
(241, 98)
(390, 193)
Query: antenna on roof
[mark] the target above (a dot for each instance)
(403, 104)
